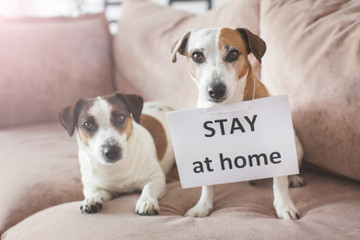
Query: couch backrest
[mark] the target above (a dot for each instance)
(47, 64)
(314, 57)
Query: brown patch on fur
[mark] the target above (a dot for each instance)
(191, 66)
(123, 128)
(128, 128)
(157, 131)
(119, 107)
(115, 103)
(253, 42)
(260, 89)
(230, 39)
(83, 116)
(84, 136)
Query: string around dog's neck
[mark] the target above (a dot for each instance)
(253, 97)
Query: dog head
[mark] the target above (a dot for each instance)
(103, 124)
(217, 59)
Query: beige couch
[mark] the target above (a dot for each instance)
(313, 55)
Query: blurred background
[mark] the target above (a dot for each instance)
(74, 8)
(49, 8)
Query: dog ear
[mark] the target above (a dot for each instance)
(254, 43)
(134, 104)
(180, 46)
(68, 117)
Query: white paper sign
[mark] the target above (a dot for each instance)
(231, 143)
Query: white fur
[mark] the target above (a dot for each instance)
(207, 41)
(138, 169)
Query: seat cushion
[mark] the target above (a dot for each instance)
(39, 169)
(330, 209)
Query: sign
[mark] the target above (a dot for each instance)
(231, 143)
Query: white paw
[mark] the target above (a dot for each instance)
(296, 181)
(199, 210)
(91, 205)
(286, 210)
(147, 206)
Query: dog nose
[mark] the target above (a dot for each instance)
(112, 153)
(216, 91)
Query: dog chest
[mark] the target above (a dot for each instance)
(123, 177)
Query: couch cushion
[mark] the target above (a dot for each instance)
(146, 33)
(39, 169)
(313, 55)
(47, 63)
(330, 209)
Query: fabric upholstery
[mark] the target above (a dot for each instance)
(313, 55)
(48, 63)
(330, 209)
(39, 169)
(39, 166)
(146, 34)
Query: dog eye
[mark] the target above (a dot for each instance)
(198, 57)
(232, 56)
(120, 118)
(89, 124)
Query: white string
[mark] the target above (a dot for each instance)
(254, 90)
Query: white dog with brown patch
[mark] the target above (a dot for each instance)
(218, 63)
(123, 148)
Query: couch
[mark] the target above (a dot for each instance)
(313, 55)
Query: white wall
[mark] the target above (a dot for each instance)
(48, 8)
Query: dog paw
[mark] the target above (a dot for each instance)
(296, 181)
(286, 211)
(147, 207)
(199, 210)
(91, 205)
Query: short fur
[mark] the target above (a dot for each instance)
(116, 153)
(218, 63)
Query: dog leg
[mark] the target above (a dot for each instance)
(205, 203)
(283, 204)
(94, 199)
(148, 203)
(296, 180)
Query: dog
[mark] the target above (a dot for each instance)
(217, 59)
(123, 146)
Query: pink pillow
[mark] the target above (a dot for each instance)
(313, 55)
(146, 34)
(49, 63)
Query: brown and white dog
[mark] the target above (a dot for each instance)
(122, 148)
(218, 63)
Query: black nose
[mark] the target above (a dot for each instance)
(216, 91)
(112, 153)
